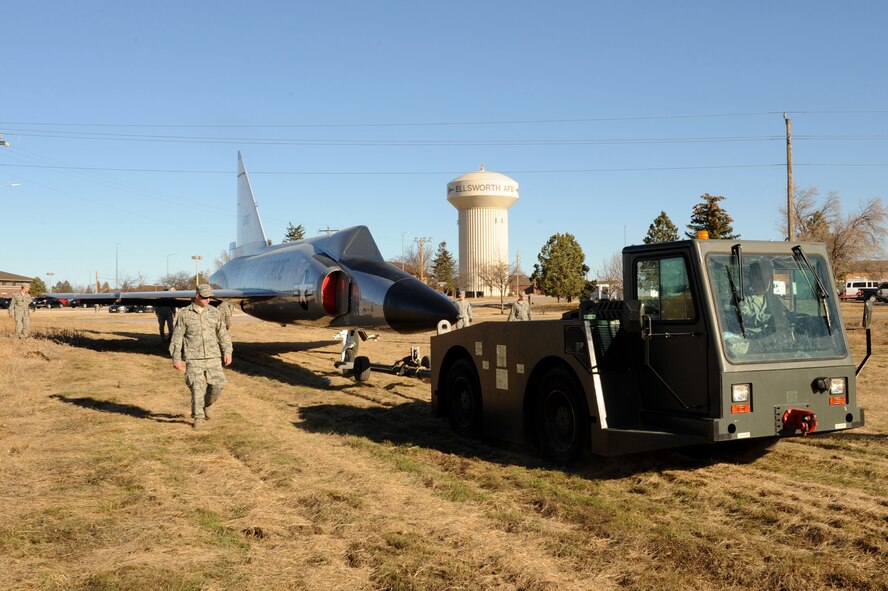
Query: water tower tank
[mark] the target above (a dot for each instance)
(483, 199)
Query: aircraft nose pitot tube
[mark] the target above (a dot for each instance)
(413, 306)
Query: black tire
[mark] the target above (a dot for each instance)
(562, 418)
(361, 369)
(463, 396)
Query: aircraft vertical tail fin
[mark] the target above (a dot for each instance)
(250, 233)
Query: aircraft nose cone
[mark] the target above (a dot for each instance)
(413, 306)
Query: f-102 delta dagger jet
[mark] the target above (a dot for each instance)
(339, 280)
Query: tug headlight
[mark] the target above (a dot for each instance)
(740, 393)
(837, 386)
(838, 392)
(741, 398)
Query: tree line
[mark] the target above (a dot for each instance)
(851, 238)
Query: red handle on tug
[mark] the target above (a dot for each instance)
(798, 419)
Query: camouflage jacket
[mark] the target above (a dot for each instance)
(521, 311)
(465, 309)
(199, 335)
(20, 302)
(226, 310)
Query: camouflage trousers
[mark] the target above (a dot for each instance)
(22, 323)
(165, 322)
(206, 379)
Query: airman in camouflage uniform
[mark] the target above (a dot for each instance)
(165, 316)
(521, 310)
(464, 318)
(20, 309)
(227, 310)
(201, 345)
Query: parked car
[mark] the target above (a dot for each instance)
(882, 292)
(855, 284)
(865, 293)
(47, 302)
(130, 308)
(4, 303)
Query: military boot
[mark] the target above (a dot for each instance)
(197, 423)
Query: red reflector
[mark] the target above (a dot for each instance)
(738, 408)
(838, 400)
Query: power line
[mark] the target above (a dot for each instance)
(396, 173)
(382, 142)
(457, 123)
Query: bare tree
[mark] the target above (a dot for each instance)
(220, 260)
(496, 275)
(611, 272)
(128, 283)
(180, 280)
(857, 236)
(413, 259)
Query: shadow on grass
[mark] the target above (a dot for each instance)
(412, 425)
(250, 358)
(123, 409)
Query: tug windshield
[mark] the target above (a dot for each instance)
(773, 308)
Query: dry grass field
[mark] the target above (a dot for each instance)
(304, 479)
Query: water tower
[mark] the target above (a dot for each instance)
(483, 199)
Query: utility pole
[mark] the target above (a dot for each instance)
(421, 242)
(517, 270)
(116, 266)
(402, 250)
(790, 212)
(329, 231)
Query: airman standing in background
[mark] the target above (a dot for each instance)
(200, 345)
(227, 311)
(465, 311)
(165, 316)
(521, 309)
(20, 309)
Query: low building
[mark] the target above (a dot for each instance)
(10, 283)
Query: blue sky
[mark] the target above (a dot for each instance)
(124, 120)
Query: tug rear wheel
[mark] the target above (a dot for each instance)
(562, 418)
(464, 398)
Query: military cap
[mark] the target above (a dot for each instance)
(205, 290)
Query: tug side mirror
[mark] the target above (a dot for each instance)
(633, 312)
(867, 320)
(868, 312)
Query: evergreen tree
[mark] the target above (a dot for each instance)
(62, 287)
(294, 233)
(662, 230)
(444, 269)
(561, 269)
(38, 288)
(711, 217)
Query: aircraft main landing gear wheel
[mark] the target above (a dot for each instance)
(361, 369)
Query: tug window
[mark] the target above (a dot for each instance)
(663, 286)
